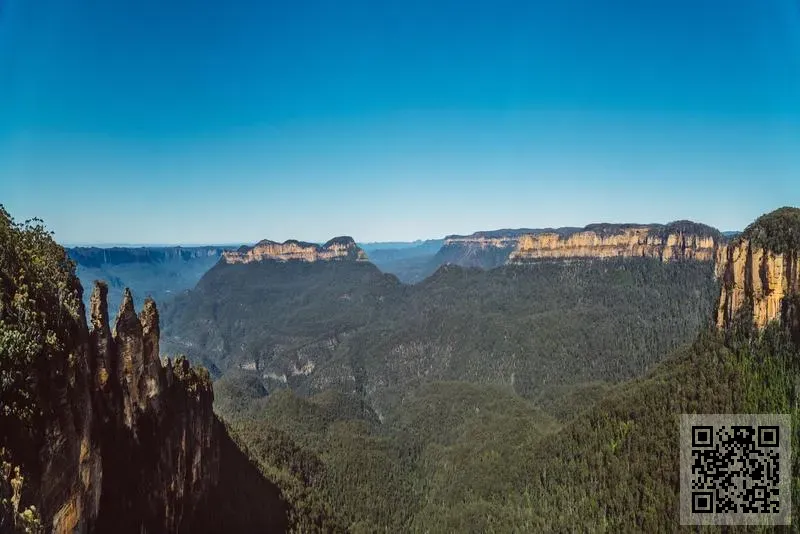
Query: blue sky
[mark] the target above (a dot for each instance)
(197, 122)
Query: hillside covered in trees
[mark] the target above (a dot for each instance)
(529, 398)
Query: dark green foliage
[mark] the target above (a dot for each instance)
(40, 304)
(237, 390)
(777, 231)
(446, 442)
(467, 457)
(617, 466)
(465, 256)
(457, 457)
(659, 230)
(686, 228)
(529, 326)
(565, 401)
(561, 323)
(240, 311)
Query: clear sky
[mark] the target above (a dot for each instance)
(164, 121)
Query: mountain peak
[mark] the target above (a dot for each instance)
(342, 248)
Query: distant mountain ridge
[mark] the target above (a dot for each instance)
(679, 240)
(338, 248)
(411, 264)
(489, 249)
(157, 272)
(97, 256)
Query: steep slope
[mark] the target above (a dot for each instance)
(156, 272)
(675, 240)
(275, 314)
(485, 250)
(761, 274)
(98, 434)
(615, 467)
(338, 248)
(470, 457)
(318, 325)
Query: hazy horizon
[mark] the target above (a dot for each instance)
(209, 123)
(358, 241)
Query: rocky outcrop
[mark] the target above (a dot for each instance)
(673, 241)
(97, 434)
(338, 248)
(760, 274)
(629, 241)
(158, 434)
(757, 280)
(127, 444)
(157, 272)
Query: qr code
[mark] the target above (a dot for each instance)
(735, 469)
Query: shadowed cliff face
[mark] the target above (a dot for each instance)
(123, 442)
(128, 445)
(160, 450)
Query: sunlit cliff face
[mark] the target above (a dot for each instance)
(630, 242)
(753, 276)
(340, 248)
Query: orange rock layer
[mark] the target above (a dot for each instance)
(755, 277)
(630, 242)
(335, 249)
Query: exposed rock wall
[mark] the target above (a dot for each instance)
(159, 447)
(757, 281)
(339, 248)
(640, 241)
(128, 445)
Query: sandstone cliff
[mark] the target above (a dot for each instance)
(127, 443)
(759, 272)
(676, 240)
(666, 243)
(338, 248)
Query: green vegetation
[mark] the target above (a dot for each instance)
(40, 301)
(461, 457)
(13, 519)
(687, 227)
(346, 326)
(238, 312)
(777, 231)
(522, 399)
